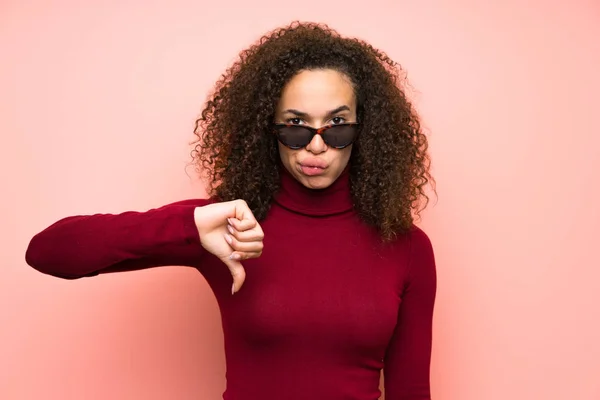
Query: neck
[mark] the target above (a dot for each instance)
(296, 197)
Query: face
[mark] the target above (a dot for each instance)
(316, 98)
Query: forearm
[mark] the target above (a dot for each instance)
(80, 246)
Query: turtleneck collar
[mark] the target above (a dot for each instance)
(296, 197)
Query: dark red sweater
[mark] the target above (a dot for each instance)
(321, 312)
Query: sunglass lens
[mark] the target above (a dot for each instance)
(295, 137)
(340, 136)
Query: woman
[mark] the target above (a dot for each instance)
(316, 165)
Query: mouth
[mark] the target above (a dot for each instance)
(313, 168)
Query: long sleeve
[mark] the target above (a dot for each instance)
(87, 245)
(408, 357)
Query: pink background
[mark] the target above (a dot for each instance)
(97, 104)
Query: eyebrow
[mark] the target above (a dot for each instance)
(330, 113)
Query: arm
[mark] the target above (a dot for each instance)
(408, 357)
(89, 245)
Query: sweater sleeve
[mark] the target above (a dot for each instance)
(88, 245)
(408, 357)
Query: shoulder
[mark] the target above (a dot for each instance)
(414, 239)
(414, 251)
(413, 246)
(421, 254)
(419, 240)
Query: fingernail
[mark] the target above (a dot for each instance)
(234, 256)
(228, 238)
(233, 289)
(229, 221)
(230, 229)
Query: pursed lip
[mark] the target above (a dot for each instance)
(316, 163)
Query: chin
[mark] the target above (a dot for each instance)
(316, 182)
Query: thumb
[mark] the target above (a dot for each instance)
(237, 272)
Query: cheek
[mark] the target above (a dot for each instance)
(343, 155)
(284, 154)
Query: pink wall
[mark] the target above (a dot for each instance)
(97, 104)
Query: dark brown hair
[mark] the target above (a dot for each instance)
(389, 164)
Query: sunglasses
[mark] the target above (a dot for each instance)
(298, 136)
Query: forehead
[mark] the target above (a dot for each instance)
(317, 91)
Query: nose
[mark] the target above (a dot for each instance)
(317, 145)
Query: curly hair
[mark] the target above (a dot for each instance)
(389, 164)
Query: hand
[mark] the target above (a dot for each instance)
(229, 231)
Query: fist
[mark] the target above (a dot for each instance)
(230, 231)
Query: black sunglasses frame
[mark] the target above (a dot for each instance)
(314, 131)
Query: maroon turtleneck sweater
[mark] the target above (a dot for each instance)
(321, 312)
